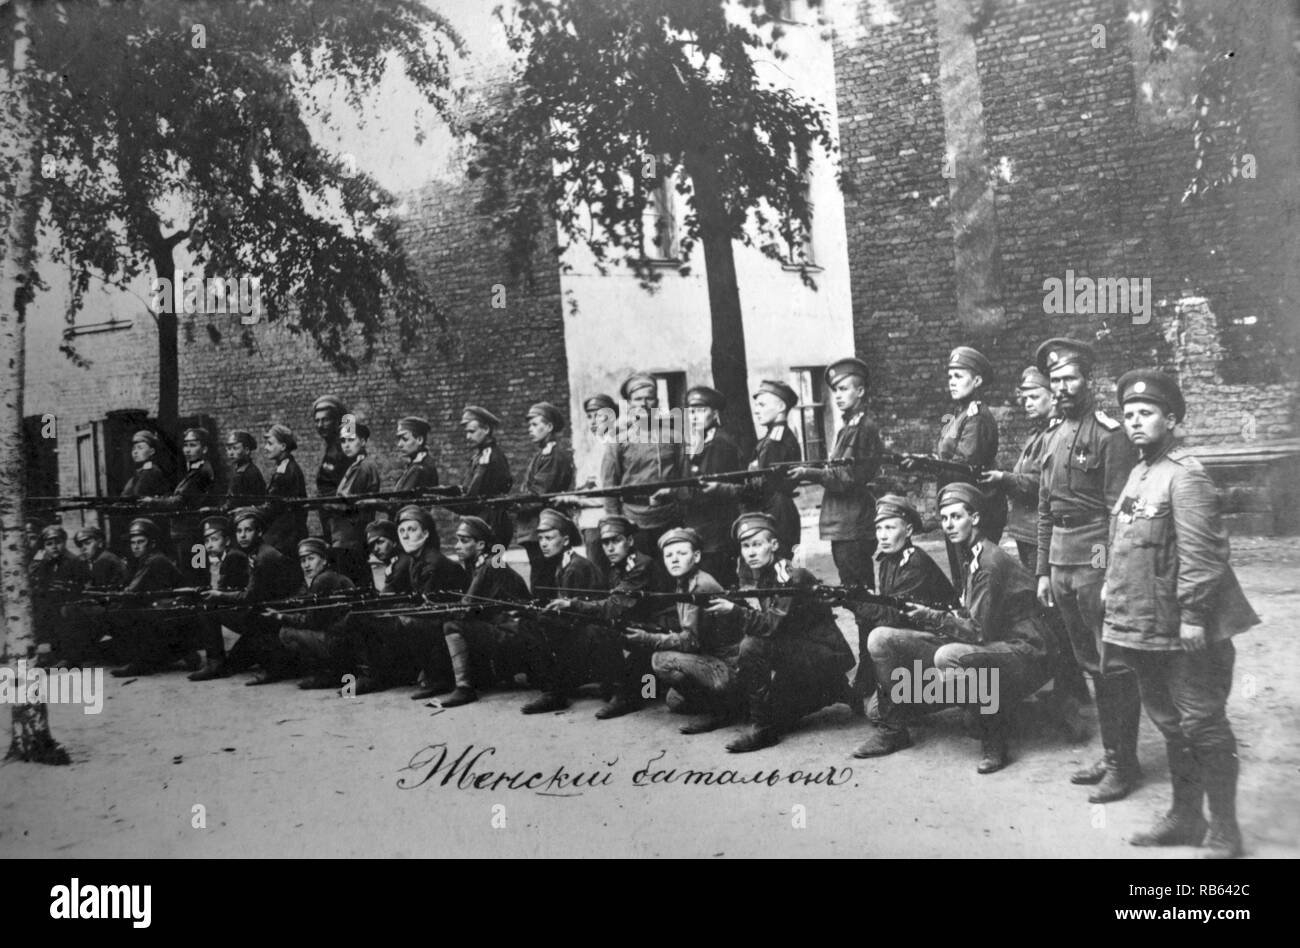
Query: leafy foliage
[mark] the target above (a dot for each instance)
(188, 121)
(1227, 85)
(610, 96)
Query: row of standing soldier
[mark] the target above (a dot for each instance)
(774, 657)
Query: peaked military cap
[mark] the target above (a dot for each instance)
(972, 360)
(780, 390)
(1058, 352)
(896, 505)
(1151, 385)
(845, 368)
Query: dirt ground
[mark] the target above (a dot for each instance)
(283, 772)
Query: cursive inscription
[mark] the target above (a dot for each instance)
(439, 766)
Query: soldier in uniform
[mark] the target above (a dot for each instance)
(793, 657)
(395, 649)
(1084, 469)
(314, 638)
(229, 571)
(271, 577)
(385, 553)
(327, 415)
(347, 522)
(848, 506)
(53, 577)
(772, 493)
(643, 452)
(485, 633)
(904, 571)
(421, 473)
(192, 492)
(1173, 604)
(105, 570)
(706, 510)
(247, 485)
(998, 631)
(561, 654)
(602, 419)
(970, 436)
(629, 573)
(148, 644)
(1020, 488)
(285, 525)
(488, 474)
(147, 480)
(99, 570)
(698, 660)
(549, 471)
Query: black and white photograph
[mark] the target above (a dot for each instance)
(709, 429)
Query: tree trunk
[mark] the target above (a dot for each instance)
(30, 737)
(727, 353)
(169, 372)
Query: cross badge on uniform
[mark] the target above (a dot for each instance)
(1081, 456)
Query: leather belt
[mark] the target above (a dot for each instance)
(1077, 520)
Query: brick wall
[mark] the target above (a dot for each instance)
(504, 359)
(1089, 173)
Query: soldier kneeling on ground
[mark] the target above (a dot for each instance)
(699, 662)
(793, 657)
(999, 634)
(314, 636)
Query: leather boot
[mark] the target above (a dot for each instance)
(752, 739)
(1119, 711)
(1219, 770)
(993, 744)
(1184, 824)
(882, 740)
(618, 706)
(212, 668)
(547, 702)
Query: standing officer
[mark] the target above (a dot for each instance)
(285, 525)
(549, 471)
(1020, 488)
(848, 507)
(773, 494)
(643, 451)
(247, 485)
(147, 480)
(970, 436)
(347, 522)
(412, 440)
(708, 511)
(53, 577)
(602, 420)
(190, 493)
(1173, 605)
(488, 474)
(1084, 470)
(327, 415)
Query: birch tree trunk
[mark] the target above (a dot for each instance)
(30, 737)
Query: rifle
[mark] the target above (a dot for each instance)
(838, 595)
(651, 487)
(135, 505)
(929, 464)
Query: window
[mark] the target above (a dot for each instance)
(808, 418)
(660, 240)
(801, 252)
